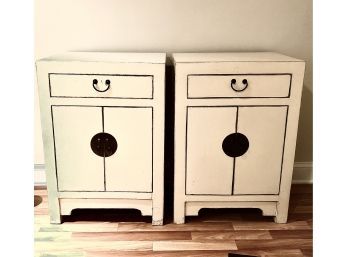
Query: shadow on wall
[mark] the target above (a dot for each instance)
(169, 141)
(305, 127)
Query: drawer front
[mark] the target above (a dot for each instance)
(100, 85)
(239, 86)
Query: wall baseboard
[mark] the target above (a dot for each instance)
(39, 175)
(303, 173)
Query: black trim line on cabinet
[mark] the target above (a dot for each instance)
(103, 125)
(108, 106)
(90, 74)
(54, 139)
(241, 74)
(54, 149)
(234, 158)
(218, 106)
(183, 62)
(286, 126)
(242, 105)
(186, 150)
(137, 192)
(152, 149)
(153, 88)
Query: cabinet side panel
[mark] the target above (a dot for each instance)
(78, 168)
(209, 169)
(130, 168)
(48, 141)
(258, 171)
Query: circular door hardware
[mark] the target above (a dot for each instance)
(235, 145)
(234, 83)
(103, 144)
(101, 88)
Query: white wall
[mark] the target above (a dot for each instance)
(284, 26)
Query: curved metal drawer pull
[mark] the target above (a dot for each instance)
(233, 83)
(95, 84)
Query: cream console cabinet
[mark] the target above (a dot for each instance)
(103, 131)
(236, 118)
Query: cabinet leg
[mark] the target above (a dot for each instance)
(179, 213)
(157, 221)
(280, 218)
(57, 219)
(54, 210)
(282, 213)
(157, 215)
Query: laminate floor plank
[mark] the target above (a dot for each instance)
(307, 252)
(275, 244)
(231, 235)
(52, 236)
(274, 253)
(60, 254)
(291, 234)
(80, 227)
(93, 245)
(215, 232)
(132, 236)
(296, 225)
(192, 245)
(189, 226)
(158, 254)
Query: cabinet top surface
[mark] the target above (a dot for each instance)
(108, 57)
(232, 57)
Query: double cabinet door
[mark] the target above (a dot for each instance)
(234, 150)
(103, 148)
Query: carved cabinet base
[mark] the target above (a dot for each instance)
(103, 131)
(236, 118)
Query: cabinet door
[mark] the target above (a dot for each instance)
(208, 169)
(78, 168)
(258, 171)
(130, 168)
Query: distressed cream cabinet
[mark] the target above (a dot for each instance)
(236, 118)
(103, 131)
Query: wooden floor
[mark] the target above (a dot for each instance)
(213, 233)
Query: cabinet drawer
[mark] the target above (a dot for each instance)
(239, 85)
(101, 85)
